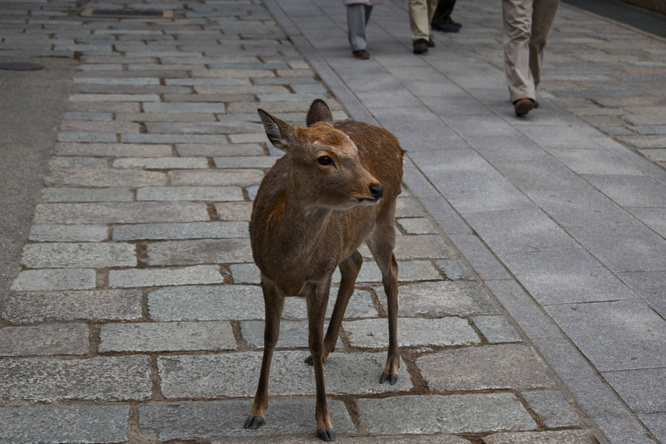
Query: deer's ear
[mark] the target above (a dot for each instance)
(279, 133)
(319, 112)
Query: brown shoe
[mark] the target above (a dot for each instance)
(523, 106)
(420, 46)
(361, 54)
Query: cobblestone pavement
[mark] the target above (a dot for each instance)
(137, 314)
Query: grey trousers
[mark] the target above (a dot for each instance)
(357, 18)
(526, 27)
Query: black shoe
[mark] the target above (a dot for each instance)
(447, 27)
(420, 46)
(431, 43)
(361, 54)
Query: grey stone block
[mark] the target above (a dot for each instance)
(618, 335)
(190, 193)
(244, 149)
(68, 233)
(244, 162)
(222, 177)
(555, 437)
(104, 177)
(234, 210)
(116, 378)
(73, 255)
(87, 195)
(192, 230)
(54, 280)
(553, 409)
(48, 339)
(428, 414)
(519, 230)
(643, 390)
(417, 226)
(215, 419)
(205, 251)
(216, 302)
(113, 150)
(206, 376)
(422, 247)
(245, 274)
(293, 334)
(444, 298)
(510, 366)
(201, 274)
(496, 329)
(408, 271)
(161, 163)
(121, 212)
(455, 270)
(167, 337)
(565, 276)
(656, 423)
(373, 333)
(377, 439)
(100, 305)
(57, 424)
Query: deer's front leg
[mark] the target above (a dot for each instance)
(317, 299)
(274, 302)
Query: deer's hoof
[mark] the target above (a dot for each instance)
(326, 435)
(254, 422)
(392, 378)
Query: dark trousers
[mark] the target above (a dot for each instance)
(443, 12)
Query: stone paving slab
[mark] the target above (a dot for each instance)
(57, 424)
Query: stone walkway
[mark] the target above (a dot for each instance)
(137, 314)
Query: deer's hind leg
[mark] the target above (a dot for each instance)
(381, 244)
(274, 303)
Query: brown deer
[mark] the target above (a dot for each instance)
(335, 188)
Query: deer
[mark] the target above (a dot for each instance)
(335, 188)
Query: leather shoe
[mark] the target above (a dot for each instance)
(420, 46)
(523, 106)
(361, 54)
(447, 27)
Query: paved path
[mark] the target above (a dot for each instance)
(136, 315)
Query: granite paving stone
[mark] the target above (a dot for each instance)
(641, 389)
(189, 193)
(87, 195)
(120, 212)
(100, 379)
(509, 366)
(198, 274)
(89, 424)
(63, 306)
(160, 163)
(68, 233)
(222, 177)
(293, 334)
(167, 337)
(496, 329)
(102, 177)
(212, 376)
(552, 408)
(442, 298)
(78, 255)
(55, 279)
(204, 251)
(449, 331)
(193, 230)
(214, 419)
(428, 414)
(555, 437)
(47, 339)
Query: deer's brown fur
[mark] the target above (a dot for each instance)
(335, 188)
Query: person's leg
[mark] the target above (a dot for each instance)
(443, 12)
(517, 17)
(543, 15)
(419, 19)
(356, 20)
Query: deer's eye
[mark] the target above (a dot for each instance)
(325, 160)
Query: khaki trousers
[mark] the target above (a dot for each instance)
(420, 15)
(526, 27)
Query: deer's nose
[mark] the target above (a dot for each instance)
(377, 191)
